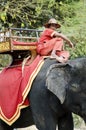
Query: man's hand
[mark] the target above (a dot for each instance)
(71, 44)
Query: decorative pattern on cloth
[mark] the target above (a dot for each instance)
(14, 88)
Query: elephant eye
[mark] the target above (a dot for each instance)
(75, 87)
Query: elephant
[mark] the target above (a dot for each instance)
(58, 91)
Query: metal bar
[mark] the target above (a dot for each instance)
(23, 37)
(25, 29)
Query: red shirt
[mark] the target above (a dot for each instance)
(46, 35)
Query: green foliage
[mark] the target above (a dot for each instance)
(76, 30)
(80, 47)
(15, 13)
(78, 122)
(31, 13)
(5, 60)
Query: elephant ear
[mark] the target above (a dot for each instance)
(57, 80)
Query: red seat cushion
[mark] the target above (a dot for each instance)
(24, 43)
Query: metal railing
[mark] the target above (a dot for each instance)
(20, 34)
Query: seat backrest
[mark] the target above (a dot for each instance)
(25, 39)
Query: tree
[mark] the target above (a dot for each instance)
(31, 13)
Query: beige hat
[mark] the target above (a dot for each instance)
(52, 21)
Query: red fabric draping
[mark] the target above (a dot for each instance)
(15, 84)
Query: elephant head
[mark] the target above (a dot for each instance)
(68, 82)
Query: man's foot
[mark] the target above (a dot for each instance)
(58, 58)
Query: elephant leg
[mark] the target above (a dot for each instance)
(41, 111)
(66, 122)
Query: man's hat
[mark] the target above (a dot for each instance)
(52, 21)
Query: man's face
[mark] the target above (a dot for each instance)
(53, 26)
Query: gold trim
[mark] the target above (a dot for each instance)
(19, 47)
(8, 46)
(4, 46)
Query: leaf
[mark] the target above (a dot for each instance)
(22, 24)
(3, 16)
